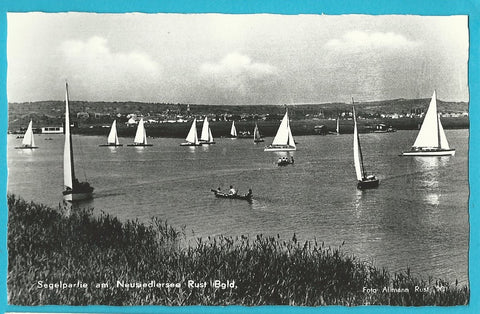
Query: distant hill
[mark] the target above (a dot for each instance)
(51, 113)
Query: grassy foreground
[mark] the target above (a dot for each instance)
(56, 257)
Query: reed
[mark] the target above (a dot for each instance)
(56, 245)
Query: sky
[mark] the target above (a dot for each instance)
(235, 59)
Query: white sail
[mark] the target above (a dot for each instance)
(205, 136)
(431, 132)
(28, 140)
(443, 137)
(192, 134)
(284, 134)
(256, 133)
(141, 135)
(210, 136)
(357, 153)
(112, 136)
(338, 126)
(68, 172)
(233, 130)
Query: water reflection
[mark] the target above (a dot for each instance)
(140, 149)
(429, 168)
(284, 154)
(357, 202)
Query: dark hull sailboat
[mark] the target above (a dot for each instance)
(74, 190)
(368, 183)
(364, 181)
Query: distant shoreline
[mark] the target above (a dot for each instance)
(173, 120)
(267, 128)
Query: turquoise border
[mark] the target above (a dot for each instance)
(376, 7)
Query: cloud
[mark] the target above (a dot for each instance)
(92, 63)
(370, 40)
(236, 72)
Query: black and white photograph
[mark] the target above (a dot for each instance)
(237, 159)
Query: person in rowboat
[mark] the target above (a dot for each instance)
(232, 191)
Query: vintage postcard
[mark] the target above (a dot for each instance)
(304, 159)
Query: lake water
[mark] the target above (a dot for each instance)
(417, 218)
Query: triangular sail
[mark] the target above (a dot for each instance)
(256, 133)
(442, 136)
(205, 131)
(112, 136)
(431, 132)
(141, 135)
(210, 136)
(233, 130)
(68, 171)
(357, 152)
(192, 134)
(28, 137)
(284, 134)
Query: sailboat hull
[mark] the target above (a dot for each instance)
(273, 148)
(110, 145)
(432, 152)
(190, 144)
(140, 145)
(206, 143)
(26, 147)
(367, 184)
(73, 196)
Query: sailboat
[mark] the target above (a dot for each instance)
(74, 190)
(256, 135)
(233, 130)
(140, 136)
(112, 139)
(206, 136)
(28, 142)
(364, 181)
(338, 126)
(283, 140)
(192, 138)
(431, 139)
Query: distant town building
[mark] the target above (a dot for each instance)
(83, 115)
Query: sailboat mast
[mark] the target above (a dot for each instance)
(361, 157)
(69, 135)
(358, 147)
(438, 132)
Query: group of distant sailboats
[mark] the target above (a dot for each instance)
(430, 141)
(139, 140)
(206, 137)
